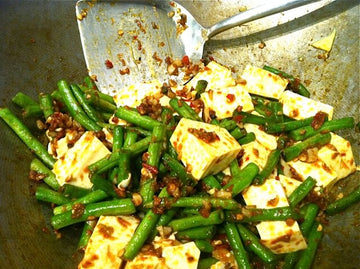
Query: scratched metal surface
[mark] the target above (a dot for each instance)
(40, 44)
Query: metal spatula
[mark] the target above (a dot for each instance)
(125, 42)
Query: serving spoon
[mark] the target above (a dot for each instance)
(125, 42)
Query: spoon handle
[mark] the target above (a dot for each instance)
(255, 13)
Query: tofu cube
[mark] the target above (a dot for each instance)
(225, 100)
(133, 95)
(107, 242)
(146, 261)
(267, 140)
(263, 83)
(181, 256)
(318, 170)
(257, 151)
(325, 43)
(173, 255)
(216, 75)
(218, 265)
(278, 236)
(202, 156)
(289, 184)
(58, 148)
(300, 107)
(338, 156)
(72, 167)
(254, 152)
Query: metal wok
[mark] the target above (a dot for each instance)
(40, 45)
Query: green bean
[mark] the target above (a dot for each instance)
(211, 182)
(138, 131)
(238, 133)
(118, 138)
(301, 191)
(91, 197)
(30, 106)
(215, 202)
(93, 98)
(296, 86)
(183, 109)
(26, 136)
(271, 110)
(44, 194)
(242, 179)
(106, 116)
(111, 160)
(287, 126)
(205, 263)
(188, 211)
(204, 245)
(104, 185)
(234, 167)
(49, 177)
(168, 119)
(124, 172)
(309, 213)
(215, 217)
(91, 86)
(90, 83)
(136, 118)
(228, 124)
(253, 242)
(131, 137)
(73, 191)
(163, 221)
(142, 232)
(156, 145)
(295, 150)
(23, 100)
(154, 151)
(106, 208)
(46, 104)
(248, 214)
(343, 203)
(246, 117)
(270, 165)
(88, 228)
(104, 164)
(307, 255)
(203, 232)
(89, 110)
(75, 109)
(32, 111)
(237, 246)
(137, 147)
(200, 87)
(328, 126)
(277, 111)
(282, 141)
(177, 167)
(56, 95)
(249, 137)
(215, 122)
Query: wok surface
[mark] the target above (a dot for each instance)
(40, 45)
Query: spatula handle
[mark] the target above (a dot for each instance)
(255, 13)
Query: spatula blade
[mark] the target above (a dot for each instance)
(128, 41)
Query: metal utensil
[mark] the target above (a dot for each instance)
(128, 41)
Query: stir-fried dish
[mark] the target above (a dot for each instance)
(218, 172)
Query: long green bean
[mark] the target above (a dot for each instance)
(142, 232)
(112, 208)
(237, 246)
(344, 202)
(26, 136)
